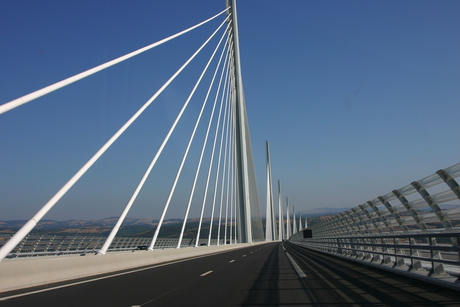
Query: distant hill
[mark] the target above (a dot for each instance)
(137, 226)
(146, 227)
(102, 227)
(109, 221)
(317, 212)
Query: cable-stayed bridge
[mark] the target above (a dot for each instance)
(209, 137)
(230, 171)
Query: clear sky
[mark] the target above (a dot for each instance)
(357, 98)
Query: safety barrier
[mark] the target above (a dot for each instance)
(45, 245)
(427, 204)
(433, 257)
(414, 230)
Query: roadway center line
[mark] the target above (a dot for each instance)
(208, 272)
(296, 266)
(231, 261)
(244, 255)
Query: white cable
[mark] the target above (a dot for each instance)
(217, 171)
(224, 179)
(53, 87)
(201, 158)
(160, 223)
(149, 169)
(18, 236)
(209, 173)
(230, 165)
(233, 188)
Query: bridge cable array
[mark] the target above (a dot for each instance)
(224, 135)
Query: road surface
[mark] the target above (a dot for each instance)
(273, 274)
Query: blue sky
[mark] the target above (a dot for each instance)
(357, 98)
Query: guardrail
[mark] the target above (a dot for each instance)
(414, 230)
(426, 204)
(433, 257)
(45, 245)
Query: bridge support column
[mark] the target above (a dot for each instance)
(247, 201)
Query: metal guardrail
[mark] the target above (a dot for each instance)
(414, 230)
(431, 203)
(426, 253)
(46, 245)
(432, 257)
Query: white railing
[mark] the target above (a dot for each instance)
(414, 230)
(431, 203)
(47, 245)
(433, 257)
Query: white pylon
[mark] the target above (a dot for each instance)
(294, 226)
(269, 216)
(280, 214)
(288, 226)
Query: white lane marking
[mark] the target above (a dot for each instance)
(105, 277)
(244, 255)
(231, 261)
(296, 266)
(208, 272)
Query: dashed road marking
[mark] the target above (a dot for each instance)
(208, 272)
(231, 261)
(102, 277)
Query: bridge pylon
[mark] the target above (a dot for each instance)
(247, 200)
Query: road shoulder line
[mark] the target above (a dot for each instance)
(296, 266)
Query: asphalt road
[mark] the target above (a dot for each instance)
(257, 275)
(338, 282)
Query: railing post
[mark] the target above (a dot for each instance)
(81, 243)
(50, 243)
(437, 268)
(369, 248)
(416, 264)
(399, 261)
(386, 256)
(376, 257)
(37, 243)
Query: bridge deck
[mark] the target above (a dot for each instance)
(255, 275)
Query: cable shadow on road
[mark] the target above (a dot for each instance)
(264, 291)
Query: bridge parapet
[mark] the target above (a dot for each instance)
(414, 230)
(47, 245)
(28, 272)
(429, 204)
(427, 256)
